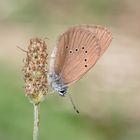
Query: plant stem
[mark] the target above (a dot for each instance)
(36, 122)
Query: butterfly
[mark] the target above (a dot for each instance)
(76, 52)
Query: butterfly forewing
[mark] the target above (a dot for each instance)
(81, 50)
(60, 54)
(78, 49)
(102, 34)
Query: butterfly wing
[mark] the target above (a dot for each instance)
(102, 34)
(78, 49)
(60, 53)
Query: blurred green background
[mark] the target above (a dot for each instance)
(108, 97)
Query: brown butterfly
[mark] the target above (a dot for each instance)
(77, 51)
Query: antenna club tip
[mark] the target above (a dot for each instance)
(77, 112)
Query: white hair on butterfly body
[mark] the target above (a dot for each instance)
(54, 79)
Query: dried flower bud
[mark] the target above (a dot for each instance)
(35, 70)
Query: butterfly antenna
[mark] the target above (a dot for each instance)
(74, 107)
(21, 49)
(46, 38)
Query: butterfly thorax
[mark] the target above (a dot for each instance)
(57, 85)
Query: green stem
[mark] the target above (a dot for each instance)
(36, 122)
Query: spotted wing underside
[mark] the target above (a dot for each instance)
(78, 49)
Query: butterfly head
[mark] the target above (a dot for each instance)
(62, 91)
(57, 85)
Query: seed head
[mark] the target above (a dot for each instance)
(35, 70)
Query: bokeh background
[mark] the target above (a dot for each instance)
(108, 97)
